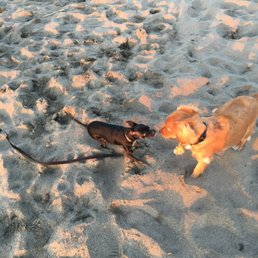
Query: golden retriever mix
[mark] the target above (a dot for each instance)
(229, 126)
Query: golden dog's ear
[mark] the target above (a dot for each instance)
(191, 125)
(186, 132)
(187, 128)
(191, 110)
(181, 114)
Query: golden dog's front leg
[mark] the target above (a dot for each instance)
(200, 167)
(179, 150)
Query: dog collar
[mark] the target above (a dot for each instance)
(203, 135)
(127, 138)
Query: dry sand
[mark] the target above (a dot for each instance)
(115, 60)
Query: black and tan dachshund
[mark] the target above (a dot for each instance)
(127, 137)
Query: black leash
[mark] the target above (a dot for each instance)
(60, 162)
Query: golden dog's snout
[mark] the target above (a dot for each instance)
(161, 131)
(166, 132)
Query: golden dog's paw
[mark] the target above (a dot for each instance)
(242, 143)
(235, 147)
(248, 138)
(200, 167)
(238, 147)
(179, 150)
(195, 175)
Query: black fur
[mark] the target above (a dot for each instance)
(106, 134)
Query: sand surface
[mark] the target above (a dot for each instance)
(118, 60)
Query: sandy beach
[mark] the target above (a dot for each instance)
(113, 61)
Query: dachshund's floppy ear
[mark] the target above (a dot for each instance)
(131, 123)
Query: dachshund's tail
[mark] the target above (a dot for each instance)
(71, 113)
(78, 121)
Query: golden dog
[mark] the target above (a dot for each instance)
(229, 126)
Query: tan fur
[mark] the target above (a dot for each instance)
(229, 126)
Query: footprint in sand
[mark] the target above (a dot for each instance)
(10, 224)
(197, 7)
(38, 233)
(135, 216)
(104, 240)
(235, 22)
(222, 241)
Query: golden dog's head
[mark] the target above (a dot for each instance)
(183, 125)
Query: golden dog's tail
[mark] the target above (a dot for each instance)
(255, 96)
